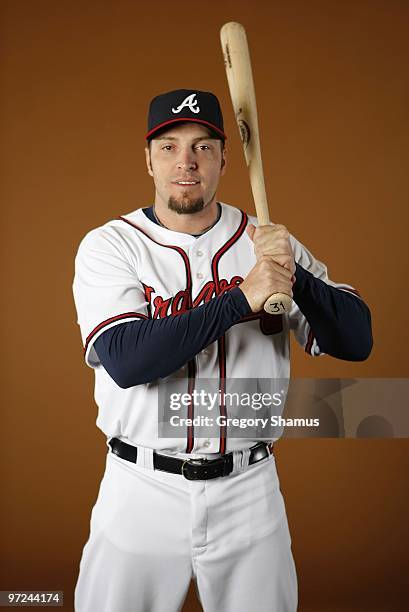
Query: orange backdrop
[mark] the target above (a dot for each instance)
(332, 91)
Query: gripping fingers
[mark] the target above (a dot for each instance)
(276, 276)
(271, 263)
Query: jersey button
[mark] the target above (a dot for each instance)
(199, 275)
(206, 443)
(199, 253)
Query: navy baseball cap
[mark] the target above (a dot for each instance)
(185, 105)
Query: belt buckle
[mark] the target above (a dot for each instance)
(188, 466)
(191, 463)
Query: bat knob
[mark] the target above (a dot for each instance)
(277, 304)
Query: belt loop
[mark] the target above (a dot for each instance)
(240, 460)
(144, 457)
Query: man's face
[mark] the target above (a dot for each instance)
(186, 164)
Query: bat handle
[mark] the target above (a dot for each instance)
(278, 303)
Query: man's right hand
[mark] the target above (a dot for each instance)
(264, 279)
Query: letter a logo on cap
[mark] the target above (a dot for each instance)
(190, 102)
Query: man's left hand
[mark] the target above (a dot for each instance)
(273, 240)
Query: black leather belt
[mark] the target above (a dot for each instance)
(192, 469)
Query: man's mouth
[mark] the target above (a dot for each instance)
(186, 183)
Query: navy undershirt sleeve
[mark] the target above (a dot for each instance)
(140, 351)
(340, 321)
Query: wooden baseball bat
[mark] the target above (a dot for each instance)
(241, 85)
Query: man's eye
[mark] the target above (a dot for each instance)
(203, 147)
(166, 147)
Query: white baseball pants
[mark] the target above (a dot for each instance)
(151, 532)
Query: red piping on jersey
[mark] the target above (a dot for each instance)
(161, 125)
(191, 364)
(191, 368)
(221, 343)
(126, 315)
(226, 247)
(310, 342)
(181, 252)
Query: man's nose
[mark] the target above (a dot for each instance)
(186, 160)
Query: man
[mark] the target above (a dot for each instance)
(177, 290)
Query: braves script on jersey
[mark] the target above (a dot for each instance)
(132, 268)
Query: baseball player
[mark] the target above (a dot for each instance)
(176, 290)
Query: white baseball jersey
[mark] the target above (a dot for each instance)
(131, 268)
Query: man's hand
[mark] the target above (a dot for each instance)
(275, 267)
(264, 279)
(273, 240)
